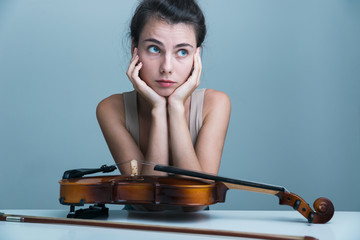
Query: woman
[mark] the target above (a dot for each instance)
(166, 119)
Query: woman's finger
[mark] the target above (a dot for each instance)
(133, 60)
(135, 73)
(197, 66)
(195, 76)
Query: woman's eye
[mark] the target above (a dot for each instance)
(154, 49)
(182, 53)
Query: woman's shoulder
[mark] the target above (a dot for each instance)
(215, 97)
(112, 106)
(113, 101)
(216, 101)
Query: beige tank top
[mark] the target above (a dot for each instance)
(195, 118)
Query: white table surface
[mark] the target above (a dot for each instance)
(344, 225)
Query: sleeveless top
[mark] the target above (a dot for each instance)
(195, 118)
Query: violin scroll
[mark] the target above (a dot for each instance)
(324, 209)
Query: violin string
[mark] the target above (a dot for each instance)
(139, 161)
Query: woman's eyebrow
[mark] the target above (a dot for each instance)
(154, 41)
(180, 45)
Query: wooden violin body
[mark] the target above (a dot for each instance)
(140, 190)
(179, 191)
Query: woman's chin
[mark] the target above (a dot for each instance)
(165, 92)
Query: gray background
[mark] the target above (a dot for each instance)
(291, 69)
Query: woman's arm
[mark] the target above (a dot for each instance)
(158, 147)
(111, 117)
(206, 155)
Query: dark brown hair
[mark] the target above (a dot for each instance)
(171, 11)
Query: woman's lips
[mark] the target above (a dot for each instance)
(165, 83)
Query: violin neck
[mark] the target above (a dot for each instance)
(228, 182)
(253, 189)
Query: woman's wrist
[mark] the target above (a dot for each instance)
(159, 110)
(176, 109)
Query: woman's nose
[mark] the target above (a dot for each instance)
(166, 64)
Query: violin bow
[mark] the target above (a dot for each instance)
(147, 227)
(324, 209)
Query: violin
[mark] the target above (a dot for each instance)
(194, 190)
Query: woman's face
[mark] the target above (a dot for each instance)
(167, 53)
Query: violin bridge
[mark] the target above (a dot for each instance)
(134, 167)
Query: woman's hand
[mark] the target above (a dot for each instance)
(182, 93)
(139, 85)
